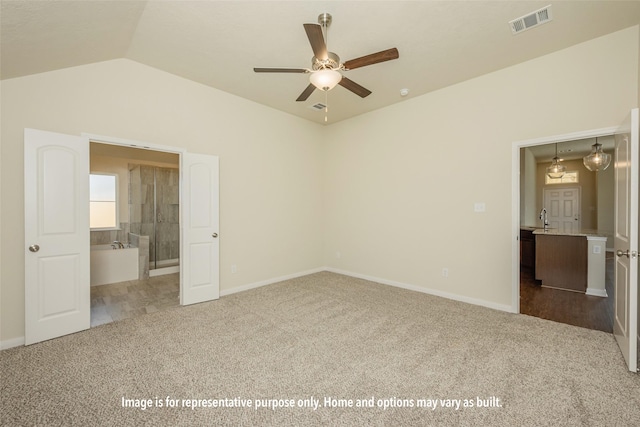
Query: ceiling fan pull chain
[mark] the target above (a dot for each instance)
(326, 105)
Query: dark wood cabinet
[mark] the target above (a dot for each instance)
(527, 249)
(561, 261)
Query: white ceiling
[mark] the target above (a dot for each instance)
(218, 43)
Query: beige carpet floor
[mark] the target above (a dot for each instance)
(327, 337)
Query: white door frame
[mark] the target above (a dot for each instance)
(515, 197)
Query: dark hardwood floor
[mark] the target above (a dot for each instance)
(568, 307)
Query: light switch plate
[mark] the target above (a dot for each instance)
(479, 207)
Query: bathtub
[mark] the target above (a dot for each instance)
(110, 265)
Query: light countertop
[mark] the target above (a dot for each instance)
(556, 232)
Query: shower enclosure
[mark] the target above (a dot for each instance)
(154, 211)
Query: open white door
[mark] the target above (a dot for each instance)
(625, 322)
(56, 194)
(199, 269)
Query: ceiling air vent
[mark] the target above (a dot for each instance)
(539, 17)
(318, 106)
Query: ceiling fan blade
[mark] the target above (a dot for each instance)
(306, 93)
(314, 33)
(354, 87)
(280, 70)
(374, 58)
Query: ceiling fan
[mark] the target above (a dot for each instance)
(326, 66)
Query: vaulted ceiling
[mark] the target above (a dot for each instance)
(217, 43)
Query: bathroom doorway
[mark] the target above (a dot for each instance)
(62, 161)
(146, 203)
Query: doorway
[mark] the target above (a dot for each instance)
(57, 264)
(145, 202)
(587, 201)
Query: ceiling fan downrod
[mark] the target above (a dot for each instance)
(324, 19)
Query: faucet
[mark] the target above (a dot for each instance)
(545, 220)
(120, 245)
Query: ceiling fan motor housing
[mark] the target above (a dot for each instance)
(332, 62)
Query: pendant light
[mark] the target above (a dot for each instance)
(556, 170)
(597, 160)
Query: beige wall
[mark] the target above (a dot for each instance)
(392, 190)
(528, 172)
(605, 181)
(401, 182)
(270, 163)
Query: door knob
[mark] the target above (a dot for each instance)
(34, 248)
(214, 235)
(620, 253)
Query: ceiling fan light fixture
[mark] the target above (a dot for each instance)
(597, 160)
(325, 79)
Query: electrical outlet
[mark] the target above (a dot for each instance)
(234, 268)
(445, 272)
(596, 249)
(338, 255)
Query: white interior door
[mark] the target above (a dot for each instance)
(625, 323)
(563, 208)
(199, 270)
(56, 194)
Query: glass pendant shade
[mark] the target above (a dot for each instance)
(597, 160)
(325, 79)
(556, 170)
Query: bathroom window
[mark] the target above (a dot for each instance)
(103, 201)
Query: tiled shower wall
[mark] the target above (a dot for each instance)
(142, 243)
(149, 184)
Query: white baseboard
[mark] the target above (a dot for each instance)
(455, 297)
(435, 292)
(14, 342)
(266, 282)
(597, 292)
